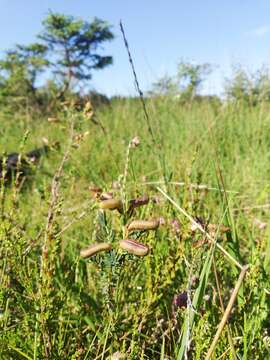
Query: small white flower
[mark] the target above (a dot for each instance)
(135, 142)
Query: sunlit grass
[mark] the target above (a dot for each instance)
(212, 160)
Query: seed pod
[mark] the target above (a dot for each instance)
(94, 249)
(134, 247)
(143, 200)
(106, 196)
(143, 225)
(111, 204)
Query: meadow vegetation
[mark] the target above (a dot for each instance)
(143, 231)
(205, 172)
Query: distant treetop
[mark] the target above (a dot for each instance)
(68, 47)
(73, 45)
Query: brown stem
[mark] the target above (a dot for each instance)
(227, 312)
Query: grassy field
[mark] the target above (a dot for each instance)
(203, 163)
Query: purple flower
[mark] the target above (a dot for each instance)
(180, 300)
(175, 226)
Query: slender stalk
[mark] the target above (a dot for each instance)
(147, 118)
(199, 226)
(227, 312)
(223, 310)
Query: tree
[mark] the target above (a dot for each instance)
(33, 57)
(69, 48)
(250, 87)
(239, 86)
(185, 84)
(262, 84)
(73, 45)
(190, 76)
(18, 72)
(164, 86)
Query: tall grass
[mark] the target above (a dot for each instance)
(56, 305)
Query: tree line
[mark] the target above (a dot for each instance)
(185, 85)
(68, 50)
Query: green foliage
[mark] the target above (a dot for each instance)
(248, 87)
(190, 76)
(68, 49)
(55, 305)
(19, 70)
(165, 86)
(73, 44)
(32, 57)
(185, 84)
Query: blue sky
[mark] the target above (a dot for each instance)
(160, 34)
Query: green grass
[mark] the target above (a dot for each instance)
(56, 305)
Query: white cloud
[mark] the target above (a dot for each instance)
(260, 31)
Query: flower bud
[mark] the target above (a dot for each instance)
(94, 249)
(134, 247)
